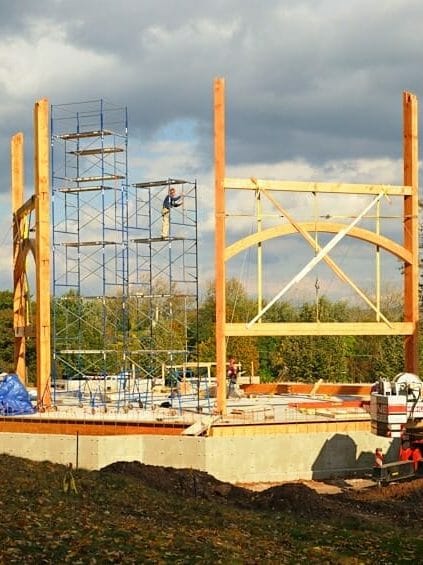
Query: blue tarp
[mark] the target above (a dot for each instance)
(14, 398)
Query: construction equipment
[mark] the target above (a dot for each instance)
(395, 471)
(397, 406)
(396, 411)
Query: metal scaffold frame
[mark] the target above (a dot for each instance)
(163, 283)
(89, 239)
(125, 301)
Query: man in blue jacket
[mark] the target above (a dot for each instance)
(172, 200)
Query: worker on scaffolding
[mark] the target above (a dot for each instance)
(172, 200)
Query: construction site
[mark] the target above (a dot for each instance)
(119, 377)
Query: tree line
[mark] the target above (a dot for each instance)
(305, 358)
(294, 358)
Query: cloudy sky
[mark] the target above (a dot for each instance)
(314, 87)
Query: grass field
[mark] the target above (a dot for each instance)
(131, 513)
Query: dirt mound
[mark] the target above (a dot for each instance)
(186, 482)
(295, 498)
(398, 502)
(298, 499)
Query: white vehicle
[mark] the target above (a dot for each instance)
(396, 411)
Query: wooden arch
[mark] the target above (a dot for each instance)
(407, 252)
(321, 227)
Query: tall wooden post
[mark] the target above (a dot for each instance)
(219, 168)
(19, 298)
(42, 250)
(411, 230)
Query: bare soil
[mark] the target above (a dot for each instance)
(133, 513)
(398, 503)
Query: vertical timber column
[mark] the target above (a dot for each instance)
(19, 298)
(411, 230)
(42, 250)
(219, 171)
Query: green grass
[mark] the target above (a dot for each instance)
(118, 519)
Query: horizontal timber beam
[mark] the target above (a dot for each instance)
(319, 328)
(327, 187)
(344, 426)
(54, 426)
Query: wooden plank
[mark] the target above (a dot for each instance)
(319, 328)
(316, 387)
(95, 178)
(411, 230)
(198, 428)
(26, 207)
(77, 189)
(96, 428)
(19, 295)
(42, 246)
(265, 428)
(330, 389)
(84, 134)
(97, 151)
(324, 187)
(220, 281)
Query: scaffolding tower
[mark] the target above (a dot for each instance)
(125, 301)
(90, 238)
(163, 276)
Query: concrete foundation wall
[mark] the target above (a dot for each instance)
(291, 457)
(270, 458)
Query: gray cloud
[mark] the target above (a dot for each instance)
(316, 80)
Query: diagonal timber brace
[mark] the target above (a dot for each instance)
(330, 262)
(322, 254)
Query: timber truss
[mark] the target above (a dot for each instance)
(31, 237)
(265, 190)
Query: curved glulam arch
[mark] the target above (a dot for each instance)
(328, 227)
